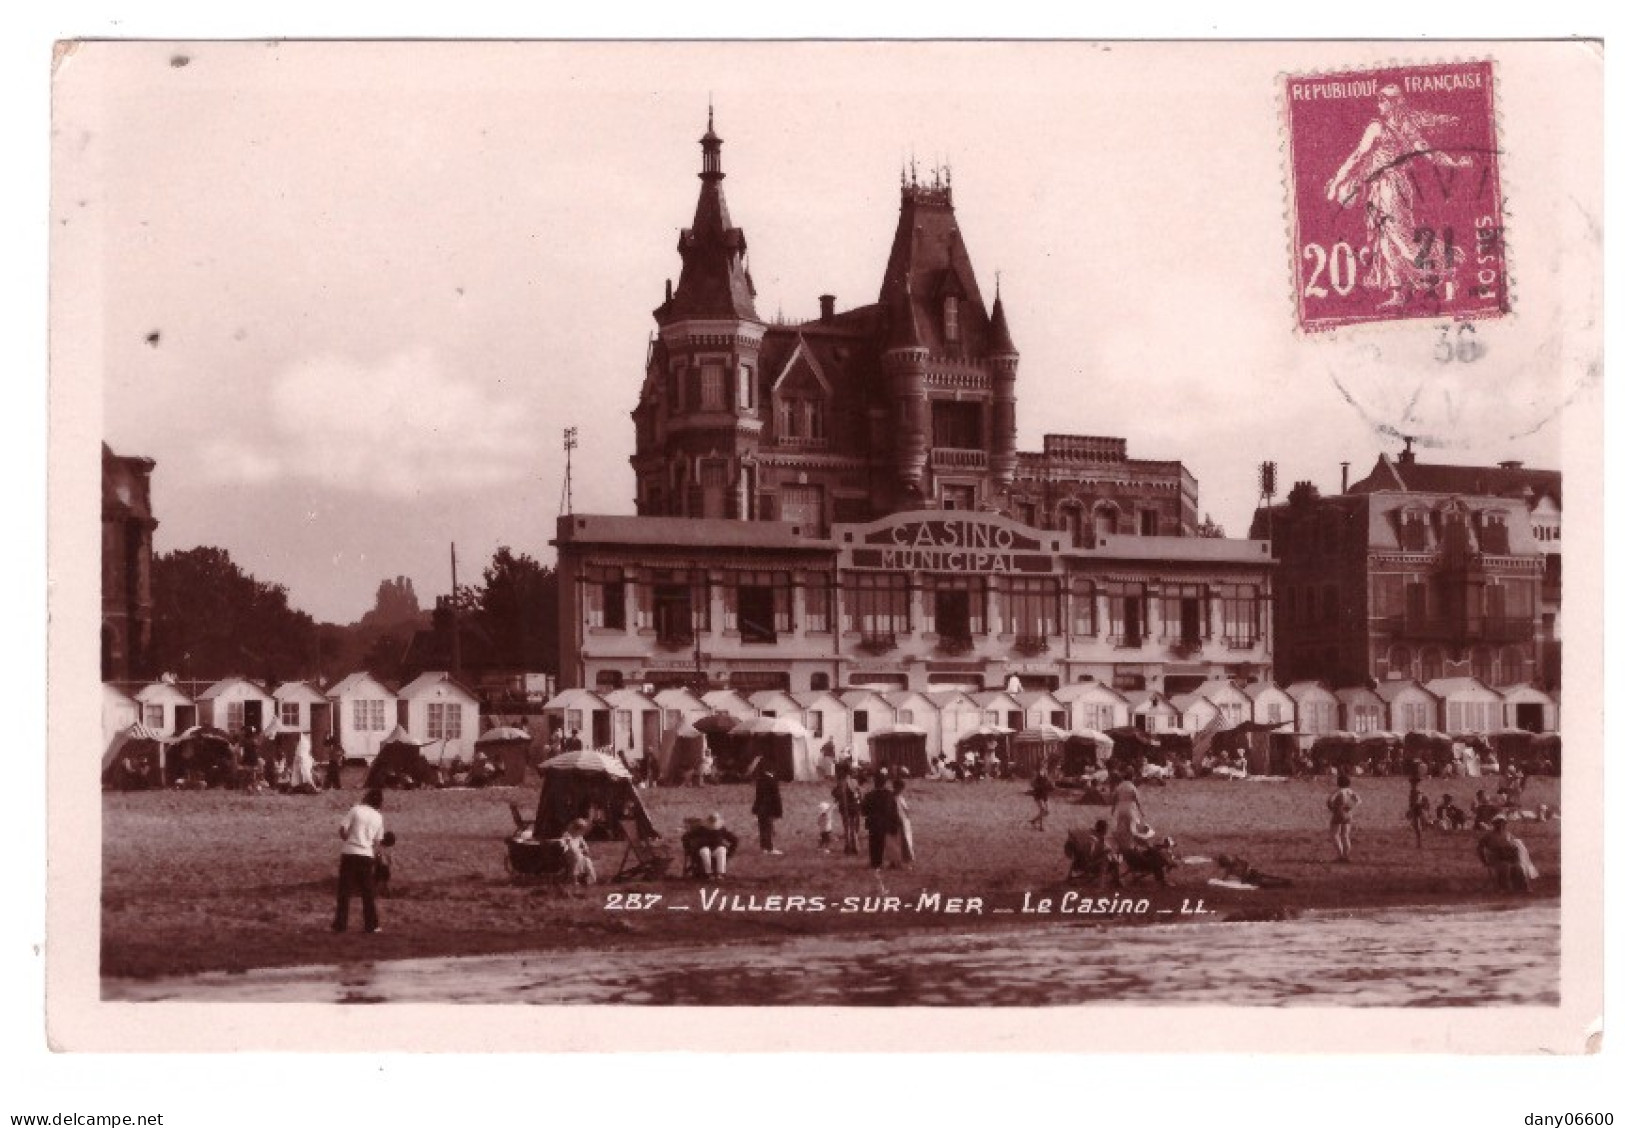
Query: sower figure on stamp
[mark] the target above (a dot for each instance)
(1378, 174)
(361, 832)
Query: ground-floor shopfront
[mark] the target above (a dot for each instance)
(923, 601)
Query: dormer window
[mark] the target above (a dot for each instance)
(950, 319)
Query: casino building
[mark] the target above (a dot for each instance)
(840, 502)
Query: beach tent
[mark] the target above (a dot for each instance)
(899, 746)
(779, 744)
(1549, 746)
(134, 758)
(1034, 747)
(400, 762)
(509, 747)
(203, 753)
(119, 712)
(1084, 751)
(910, 707)
(680, 751)
(729, 701)
(593, 786)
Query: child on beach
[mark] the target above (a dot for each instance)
(1418, 811)
(826, 826)
(1341, 804)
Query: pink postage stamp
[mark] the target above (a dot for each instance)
(1396, 195)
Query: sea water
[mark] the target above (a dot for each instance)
(1387, 958)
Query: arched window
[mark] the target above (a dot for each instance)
(1072, 519)
(1484, 665)
(820, 681)
(1432, 662)
(1105, 520)
(950, 319)
(1399, 661)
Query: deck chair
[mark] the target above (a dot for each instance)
(645, 859)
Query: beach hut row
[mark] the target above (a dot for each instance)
(437, 709)
(360, 710)
(634, 722)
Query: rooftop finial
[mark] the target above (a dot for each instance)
(710, 114)
(998, 278)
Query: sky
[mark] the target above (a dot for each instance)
(353, 293)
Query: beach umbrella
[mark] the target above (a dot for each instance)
(588, 762)
(504, 734)
(716, 723)
(1043, 732)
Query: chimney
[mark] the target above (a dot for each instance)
(1407, 456)
(826, 306)
(1345, 466)
(1511, 465)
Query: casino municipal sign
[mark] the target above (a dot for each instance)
(971, 543)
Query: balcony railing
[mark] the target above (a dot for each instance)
(953, 458)
(1462, 628)
(877, 642)
(1031, 644)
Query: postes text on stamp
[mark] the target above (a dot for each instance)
(1396, 195)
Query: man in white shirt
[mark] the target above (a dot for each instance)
(361, 831)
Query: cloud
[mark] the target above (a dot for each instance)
(401, 427)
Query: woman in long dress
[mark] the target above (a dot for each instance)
(1398, 256)
(905, 827)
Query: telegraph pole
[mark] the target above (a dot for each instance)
(456, 633)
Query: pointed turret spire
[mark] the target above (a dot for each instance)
(999, 342)
(715, 282)
(711, 147)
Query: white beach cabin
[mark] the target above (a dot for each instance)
(363, 712)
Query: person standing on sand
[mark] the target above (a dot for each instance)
(1040, 793)
(880, 815)
(847, 804)
(1127, 813)
(768, 809)
(1341, 804)
(905, 828)
(361, 832)
(1419, 811)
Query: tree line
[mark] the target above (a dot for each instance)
(212, 619)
